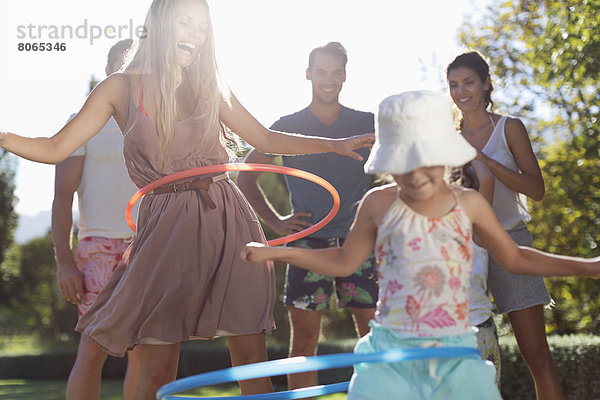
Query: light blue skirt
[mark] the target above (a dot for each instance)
(434, 379)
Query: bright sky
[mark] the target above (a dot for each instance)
(262, 47)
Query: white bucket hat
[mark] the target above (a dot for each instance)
(416, 129)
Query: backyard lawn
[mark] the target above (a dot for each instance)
(18, 389)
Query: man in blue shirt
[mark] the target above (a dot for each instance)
(307, 294)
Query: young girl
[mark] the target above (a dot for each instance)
(421, 229)
(181, 278)
(503, 145)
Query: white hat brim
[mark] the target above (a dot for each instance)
(400, 159)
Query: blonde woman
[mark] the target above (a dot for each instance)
(181, 278)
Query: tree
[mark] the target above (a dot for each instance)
(566, 221)
(32, 302)
(545, 54)
(8, 217)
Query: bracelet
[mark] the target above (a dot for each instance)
(3, 135)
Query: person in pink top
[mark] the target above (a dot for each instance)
(422, 230)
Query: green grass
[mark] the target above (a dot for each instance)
(21, 389)
(18, 389)
(31, 345)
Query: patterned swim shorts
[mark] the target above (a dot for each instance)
(97, 258)
(487, 343)
(307, 290)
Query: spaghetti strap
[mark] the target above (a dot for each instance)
(141, 106)
(489, 114)
(141, 99)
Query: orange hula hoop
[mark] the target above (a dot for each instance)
(209, 169)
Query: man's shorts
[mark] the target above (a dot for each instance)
(487, 343)
(310, 291)
(97, 258)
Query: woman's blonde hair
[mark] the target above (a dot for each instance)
(156, 57)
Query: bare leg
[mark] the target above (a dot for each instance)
(249, 349)
(529, 328)
(305, 330)
(84, 379)
(159, 367)
(362, 316)
(132, 374)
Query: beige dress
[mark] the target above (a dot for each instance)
(182, 277)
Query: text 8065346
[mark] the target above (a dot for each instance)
(45, 46)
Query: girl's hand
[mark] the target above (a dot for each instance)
(254, 253)
(346, 147)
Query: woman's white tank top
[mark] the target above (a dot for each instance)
(510, 207)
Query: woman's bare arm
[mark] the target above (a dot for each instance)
(94, 114)
(239, 120)
(528, 180)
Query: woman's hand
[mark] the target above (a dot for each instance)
(482, 172)
(527, 179)
(255, 252)
(346, 147)
(487, 181)
(482, 157)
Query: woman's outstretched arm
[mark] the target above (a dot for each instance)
(239, 120)
(98, 108)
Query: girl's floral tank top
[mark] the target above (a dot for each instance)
(424, 269)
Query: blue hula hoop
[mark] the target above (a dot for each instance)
(303, 364)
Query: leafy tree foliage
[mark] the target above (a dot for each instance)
(566, 221)
(8, 217)
(31, 301)
(545, 53)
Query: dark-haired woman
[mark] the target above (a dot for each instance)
(503, 145)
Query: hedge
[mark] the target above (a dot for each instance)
(576, 356)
